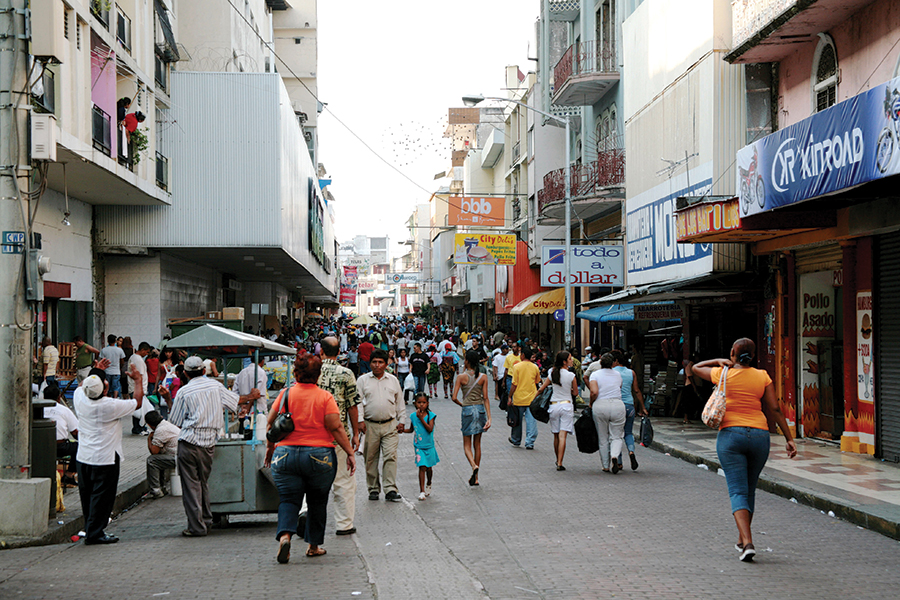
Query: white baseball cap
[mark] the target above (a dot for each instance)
(194, 363)
(93, 387)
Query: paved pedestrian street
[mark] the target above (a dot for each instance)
(527, 531)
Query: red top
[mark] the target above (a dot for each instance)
(365, 351)
(308, 405)
(152, 369)
(131, 122)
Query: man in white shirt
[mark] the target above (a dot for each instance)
(115, 356)
(100, 450)
(244, 382)
(498, 366)
(136, 363)
(163, 445)
(50, 358)
(384, 415)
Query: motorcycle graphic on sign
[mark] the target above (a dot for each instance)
(753, 189)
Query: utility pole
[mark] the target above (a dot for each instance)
(24, 500)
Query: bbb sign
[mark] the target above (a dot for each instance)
(590, 266)
(483, 211)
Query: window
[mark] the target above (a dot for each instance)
(67, 12)
(825, 74)
(761, 100)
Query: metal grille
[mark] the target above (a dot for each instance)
(827, 64)
(887, 346)
(826, 98)
(819, 258)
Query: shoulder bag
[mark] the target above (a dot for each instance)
(714, 411)
(284, 423)
(540, 406)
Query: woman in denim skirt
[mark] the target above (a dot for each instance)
(304, 462)
(476, 410)
(743, 441)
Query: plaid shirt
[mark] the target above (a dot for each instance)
(342, 384)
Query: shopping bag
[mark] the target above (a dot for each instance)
(586, 433)
(540, 406)
(646, 432)
(513, 418)
(714, 411)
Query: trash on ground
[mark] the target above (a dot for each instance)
(721, 472)
(794, 500)
(703, 466)
(388, 544)
(831, 513)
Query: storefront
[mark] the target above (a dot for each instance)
(514, 284)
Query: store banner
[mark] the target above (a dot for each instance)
(484, 249)
(864, 420)
(589, 266)
(851, 143)
(483, 212)
(349, 280)
(395, 278)
(658, 312)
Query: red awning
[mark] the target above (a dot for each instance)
(52, 289)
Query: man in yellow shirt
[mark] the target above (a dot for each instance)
(512, 359)
(463, 337)
(525, 381)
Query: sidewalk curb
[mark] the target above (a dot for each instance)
(803, 496)
(58, 534)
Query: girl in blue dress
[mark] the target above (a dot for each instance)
(422, 424)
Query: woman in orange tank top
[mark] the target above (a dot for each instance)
(743, 441)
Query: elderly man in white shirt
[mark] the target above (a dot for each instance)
(100, 449)
(198, 411)
(244, 382)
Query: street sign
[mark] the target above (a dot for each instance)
(559, 314)
(13, 242)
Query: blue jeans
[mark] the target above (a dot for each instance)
(629, 427)
(115, 385)
(402, 378)
(420, 383)
(364, 367)
(299, 471)
(742, 452)
(531, 429)
(51, 380)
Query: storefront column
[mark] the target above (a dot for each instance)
(850, 437)
(789, 405)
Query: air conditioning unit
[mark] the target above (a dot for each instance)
(43, 137)
(48, 29)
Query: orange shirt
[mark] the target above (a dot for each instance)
(743, 397)
(308, 405)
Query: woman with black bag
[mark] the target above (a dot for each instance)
(300, 451)
(562, 411)
(609, 412)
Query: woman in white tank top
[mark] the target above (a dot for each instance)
(609, 412)
(562, 410)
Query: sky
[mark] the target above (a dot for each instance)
(390, 71)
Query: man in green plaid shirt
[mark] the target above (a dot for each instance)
(342, 384)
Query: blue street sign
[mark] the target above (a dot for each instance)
(559, 314)
(13, 242)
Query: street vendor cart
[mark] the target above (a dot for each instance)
(239, 483)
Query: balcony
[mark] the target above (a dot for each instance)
(125, 148)
(595, 186)
(101, 130)
(769, 30)
(585, 73)
(564, 10)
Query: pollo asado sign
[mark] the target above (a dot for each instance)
(851, 143)
(590, 266)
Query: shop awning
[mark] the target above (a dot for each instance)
(712, 285)
(542, 303)
(617, 313)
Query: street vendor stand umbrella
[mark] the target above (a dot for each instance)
(248, 494)
(314, 315)
(363, 320)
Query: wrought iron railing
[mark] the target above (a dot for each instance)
(587, 179)
(101, 130)
(583, 58)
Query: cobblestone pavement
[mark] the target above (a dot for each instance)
(528, 531)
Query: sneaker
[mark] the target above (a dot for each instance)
(529, 447)
(155, 494)
(392, 496)
(350, 531)
(422, 496)
(634, 464)
(739, 547)
(513, 443)
(373, 495)
(748, 553)
(428, 490)
(145, 433)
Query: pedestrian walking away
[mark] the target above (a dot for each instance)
(304, 463)
(631, 393)
(384, 416)
(422, 424)
(476, 411)
(526, 378)
(743, 442)
(100, 452)
(420, 366)
(197, 410)
(609, 412)
(562, 411)
(340, 382)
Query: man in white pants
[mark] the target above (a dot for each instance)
(342, 384)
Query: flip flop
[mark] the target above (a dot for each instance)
(473, 480)
(313, 553)
(284, 552)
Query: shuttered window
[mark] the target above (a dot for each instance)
(887, 346)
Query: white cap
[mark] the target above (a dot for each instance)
(93, 387)
(194, 363)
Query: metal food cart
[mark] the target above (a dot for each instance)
(238, 484)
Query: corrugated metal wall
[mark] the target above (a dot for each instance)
(223, 148)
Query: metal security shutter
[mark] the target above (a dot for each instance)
(887, 346)
(818, 258)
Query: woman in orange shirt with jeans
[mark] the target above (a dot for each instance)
(743, 441)
(304, 462)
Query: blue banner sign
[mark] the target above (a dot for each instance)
(849, 144)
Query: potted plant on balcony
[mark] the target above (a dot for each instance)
(139, 144)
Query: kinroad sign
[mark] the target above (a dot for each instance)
(590, 266)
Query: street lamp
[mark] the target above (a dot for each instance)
(471, 101)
